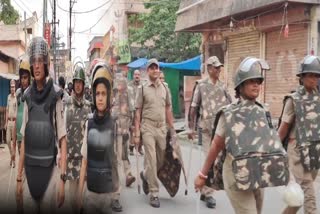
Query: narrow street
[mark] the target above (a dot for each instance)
(133, 203)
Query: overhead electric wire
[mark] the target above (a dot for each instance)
(83, 12)
(107, 10)
(24, 9)
(25, 6)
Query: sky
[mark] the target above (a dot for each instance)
(80, 22)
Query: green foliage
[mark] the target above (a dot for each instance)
(8, 14)
(158, 30)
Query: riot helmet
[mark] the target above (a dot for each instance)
(38, 51)
(310, 64)
(250, 68)
(101, 73)
(24, 66)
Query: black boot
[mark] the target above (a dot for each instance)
(131, 150)
(145, 186)
(210, 201)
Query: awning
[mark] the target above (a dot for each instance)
(138, 63)
(192, 64)
(9, 76)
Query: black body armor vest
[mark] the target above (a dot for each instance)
(100, 154)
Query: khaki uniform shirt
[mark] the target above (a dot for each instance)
(58, 118)
(289, 117)
(153, 98)
(12, 106)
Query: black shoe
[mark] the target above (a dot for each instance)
(154, 202)
(145, 186)
(140, 150)
(130, 179)
(210, 201)
(131, 150)
(116, 206)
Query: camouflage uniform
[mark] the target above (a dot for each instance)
(255, 157)
(132, 92)
(76, 115)
(210, 97)
(304, 146)
(123, 110)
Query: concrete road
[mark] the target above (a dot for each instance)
(133, 203)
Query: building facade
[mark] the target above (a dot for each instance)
(282, 32)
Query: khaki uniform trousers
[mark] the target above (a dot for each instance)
(48, 204)
(115, 177)
(122, 155)
(97, 202)
(154, 141)
(11, 135)
(304, 178)
(243, 202)
(206, 143)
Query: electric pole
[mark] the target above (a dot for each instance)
(70, 28)
(44, 16)
(54, 40)
(25, 28)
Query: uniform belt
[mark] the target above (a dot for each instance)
(157, 124)
(12, 119)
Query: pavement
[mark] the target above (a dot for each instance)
(134, 203)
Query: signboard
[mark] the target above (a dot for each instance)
(123, 51)
(47, 33)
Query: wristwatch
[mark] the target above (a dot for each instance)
(63, 177)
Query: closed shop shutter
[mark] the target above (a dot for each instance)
(283, 56)
(240, 46)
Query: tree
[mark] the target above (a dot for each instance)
(158, 30)
(8, 14)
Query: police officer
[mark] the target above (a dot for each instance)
(70, 88)
(87, 93)
(132, 92)
(42, 125)
(208, 97)
(99, 165)
(255, 158)
(163, 80)
(153, 109)
(11, 113)
(24, 78)
(300, 122)
(77, 111)
(124, 109)
(65, 94)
